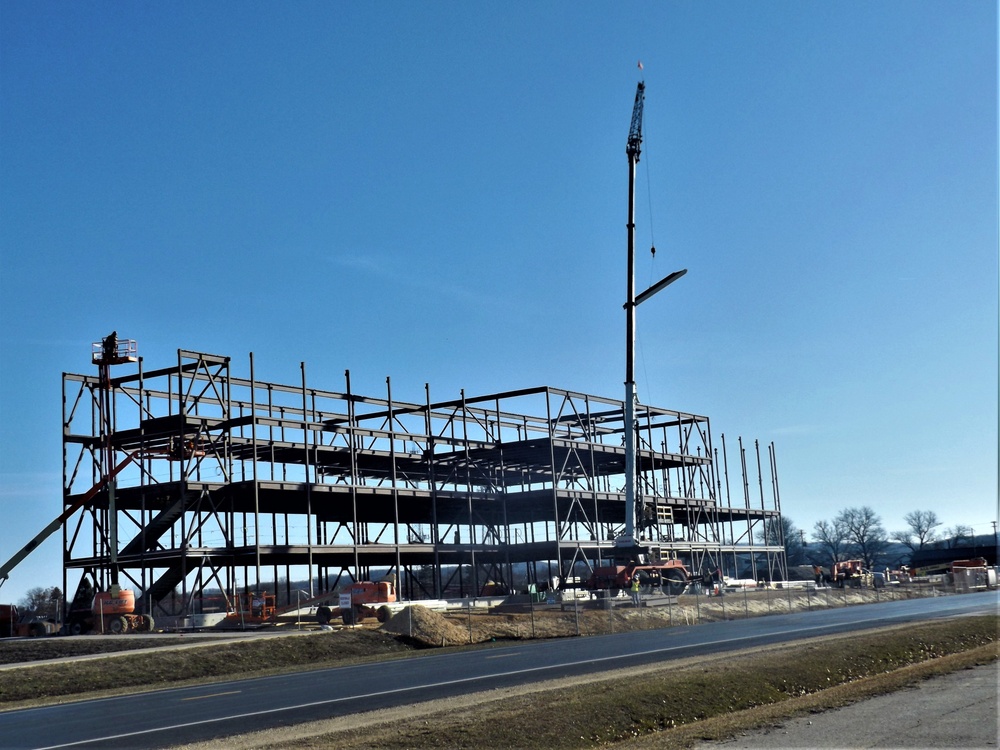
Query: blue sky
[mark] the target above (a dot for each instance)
(437, 193)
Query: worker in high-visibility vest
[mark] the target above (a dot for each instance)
(635, 589)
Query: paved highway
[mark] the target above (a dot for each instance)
(171, 717)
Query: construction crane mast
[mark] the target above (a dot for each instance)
(627, 545)
(632, 150)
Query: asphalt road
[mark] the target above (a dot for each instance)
(185, 715)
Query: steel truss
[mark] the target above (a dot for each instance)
(244, 485)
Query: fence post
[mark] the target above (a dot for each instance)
(531, 606)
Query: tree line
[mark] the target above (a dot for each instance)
(41, 602)
(858, 534)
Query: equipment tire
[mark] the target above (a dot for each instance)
(384, 613)
(117, 625)
(646, 586)
(347, 615)
(323, 615)
(76, 628)
(147, 624)
(36, 630)
(614, 591)
(673, 583)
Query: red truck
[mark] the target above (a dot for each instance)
(669, 577)
(12, 624)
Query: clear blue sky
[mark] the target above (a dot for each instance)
(437, 193)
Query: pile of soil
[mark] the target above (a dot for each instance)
(426, 626)
(458, 627)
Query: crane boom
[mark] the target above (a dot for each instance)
(635, 132)
(54, 526)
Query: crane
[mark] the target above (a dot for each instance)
(635, 132)
(626, 545)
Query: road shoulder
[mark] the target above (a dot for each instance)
(953, 710)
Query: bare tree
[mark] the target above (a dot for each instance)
(831, 541)
(40, 602)
(865, 534)
(792, 539)
(957, 534)
(921, 530)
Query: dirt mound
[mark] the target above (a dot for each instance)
(426, 626)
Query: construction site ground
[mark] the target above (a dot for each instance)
(421, 627)
(582, 617)
(471, 625)
(185, 657)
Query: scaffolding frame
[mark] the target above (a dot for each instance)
(244, 485)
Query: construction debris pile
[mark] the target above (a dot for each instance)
(426, 626)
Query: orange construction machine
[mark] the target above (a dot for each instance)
(114, 612)
(367, 599)
(667, 576)
(252, 609)
(111, 611)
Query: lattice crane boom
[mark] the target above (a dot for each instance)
(635, 132)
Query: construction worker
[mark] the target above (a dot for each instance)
(635, 589)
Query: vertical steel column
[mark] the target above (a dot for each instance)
(432, 479)
(255, 479)
(393, 479)
(783, 555)
(501, 485)
(760, 474)
(182, 474)
(305, 444)
(353, 451)
(549, 425)
(142, 496)
(65, 498)
(468, 494)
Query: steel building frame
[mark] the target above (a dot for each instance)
(243, 485)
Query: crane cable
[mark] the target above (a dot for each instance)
(652, 260)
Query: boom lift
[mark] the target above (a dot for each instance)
(45, 533)
(114, 609)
